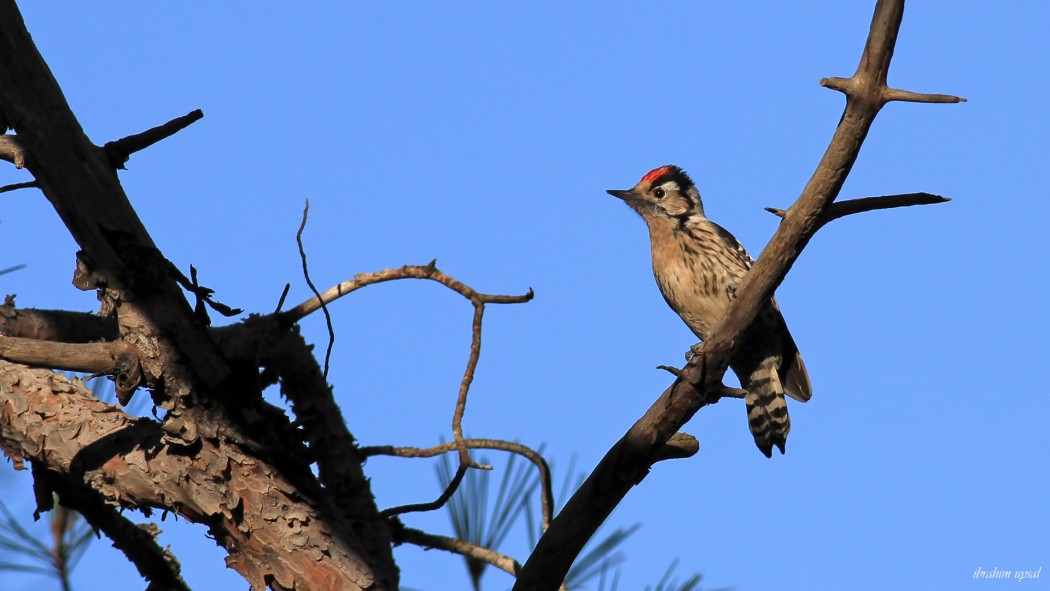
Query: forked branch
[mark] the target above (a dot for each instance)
(546, 489)
(431, 272)
(699, 384)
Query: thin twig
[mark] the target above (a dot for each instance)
(429, 271)
(464, 389)
(496, 559)
(851, 206)
(433, 505)
(671, 370)
(896, 94)
(284, 296)
(118, 151)
(546, 492)
(306, 274)
(17, 186)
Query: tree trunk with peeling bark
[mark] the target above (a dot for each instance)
(224, 457)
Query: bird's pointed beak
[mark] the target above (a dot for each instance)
(627, 196)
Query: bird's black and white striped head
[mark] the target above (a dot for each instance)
(666, 191)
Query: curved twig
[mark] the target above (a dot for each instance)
(546, 488)
(431, 272)
(435, 504)
(313, 288)
(428, 271)
(464, 389)
(17, 186)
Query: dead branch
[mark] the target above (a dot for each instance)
(428, 271)
(11, 149)
(306, 275)
(85, 357)
(479, 300)
(435, 504)
(851, 206)
(464, 388)
(118, 151)
(80, 183)
(17, 186)
(853, 85)
(679, 446)
(629, 460)
(55, 325)
(180, 363)
(546, 488)
(501, 561)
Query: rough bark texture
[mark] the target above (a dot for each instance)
(222, 456)
(246, 503)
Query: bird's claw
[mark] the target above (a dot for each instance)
(693, 352)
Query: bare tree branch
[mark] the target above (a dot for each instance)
(546, 488)
(310, 283)
(11, 149)
(428, 271)
(118, 151)
(629, 460)
(435, 504)
(479, 300)
(86, 357)
(852, 85)
(17, 186)
(464, 388)
(851, 206)
(496, 559)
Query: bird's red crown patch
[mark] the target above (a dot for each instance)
(656, 173)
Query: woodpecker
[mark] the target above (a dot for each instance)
(698, 266)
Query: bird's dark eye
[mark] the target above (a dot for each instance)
(658, 193)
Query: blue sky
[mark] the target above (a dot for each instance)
(485, 136)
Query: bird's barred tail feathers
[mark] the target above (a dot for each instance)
(767, 412)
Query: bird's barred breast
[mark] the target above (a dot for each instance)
(694, 269)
